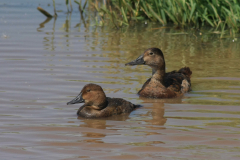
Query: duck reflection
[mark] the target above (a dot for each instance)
(93, 134)
(93, 137)
(157, 110)
(93, 123)
(100, 123)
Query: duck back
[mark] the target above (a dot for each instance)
(114, 106)
(178, 80)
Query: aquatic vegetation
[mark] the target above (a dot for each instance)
(222, 15)
(80, 7)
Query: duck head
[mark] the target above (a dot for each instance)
(152, 57)
(92, 95)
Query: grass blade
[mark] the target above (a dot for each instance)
(155, 14)
(192, 10)
(124, 15)
(208, 20)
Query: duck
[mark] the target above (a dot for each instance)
(161, 84)
(97, 105)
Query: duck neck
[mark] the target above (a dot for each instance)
(103, 104)
(158, 74)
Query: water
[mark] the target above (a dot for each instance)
(45, 65)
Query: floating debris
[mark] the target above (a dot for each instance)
(5, 36)
(44, 12)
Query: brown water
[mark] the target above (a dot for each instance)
(45, 65)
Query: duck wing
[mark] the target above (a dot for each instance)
(178, 81)
(119, 105)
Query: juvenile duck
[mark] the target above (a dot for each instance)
(162, 84)
(98, 105)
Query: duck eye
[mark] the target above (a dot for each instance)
(88, 90)
(151, 53)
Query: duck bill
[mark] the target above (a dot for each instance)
(138, 61)
(78, 99)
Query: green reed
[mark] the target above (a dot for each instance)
(223, 15)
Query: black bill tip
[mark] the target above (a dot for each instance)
(78, 99)
(138, 61)
(130, 64)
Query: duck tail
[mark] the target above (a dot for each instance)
(186, 71)
(137, 106)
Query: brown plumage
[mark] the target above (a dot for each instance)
(98, 105)
(162, 84)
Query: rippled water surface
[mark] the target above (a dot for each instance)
(44, 64)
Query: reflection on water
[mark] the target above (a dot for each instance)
(46, 62)
(93, 123)
(42, 25)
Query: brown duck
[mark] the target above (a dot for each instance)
(162, 84)
(98, 105)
